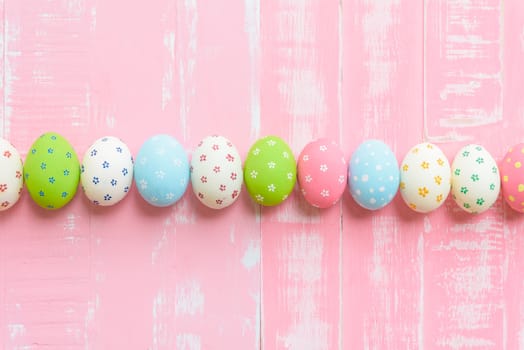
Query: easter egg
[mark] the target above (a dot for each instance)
(161, 170)
(51, 171)
(216, 172)
(512, 175)
(322, 173)
(373, 175)
(107, 171)
(425, 178)
(475, 182)
(270, 171)
(11, 179)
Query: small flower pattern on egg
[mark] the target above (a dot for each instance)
(425, 178)
(52, 171)
(322, 173)
(214, 173)
(512, 175)
(106, 171)
(161, 170)
(475, 179)
(373, 166)
(267, 171)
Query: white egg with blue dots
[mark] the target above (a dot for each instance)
(161, 170)
(373, 175)
(107, 171)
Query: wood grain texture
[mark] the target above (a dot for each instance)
(300, 244)
(286, 277)
(383, 261)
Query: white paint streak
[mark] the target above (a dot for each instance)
(302, 256)
(458, 341)
(12, 35)
(466, 39)
(189, 299)
(301, 85)
(16, 330)
(379, 323)
(188, 341)
(169, 23)
(258, 316)
(427, 224)
(163, 335)
(70, 223)
(167, 78)
(187, 60)
(252, 14)
(162, 242)
(90, 318)
(420, 257)
(251, 256)
(306, 92)
(377, 23)
(381, 62)
(482, 226)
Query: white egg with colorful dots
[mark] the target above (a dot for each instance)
(11, 178)
(107, 171)
(425, 178)
(475, 180)
(216, 172)
(373, 175)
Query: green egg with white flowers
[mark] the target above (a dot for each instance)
(270, 171)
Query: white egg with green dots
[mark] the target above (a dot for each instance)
(475, 179)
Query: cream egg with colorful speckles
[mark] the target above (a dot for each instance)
(425, 178)
(216, 172)
(107, 171)
(475, 181)
(11, 179)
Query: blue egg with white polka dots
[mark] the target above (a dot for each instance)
(161, 171)
(373, 175)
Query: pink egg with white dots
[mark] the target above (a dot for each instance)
(322, 173)
(512, 175)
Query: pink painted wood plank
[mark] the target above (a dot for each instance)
(513, 113)
(45, 256)
(207, 262)
(3, 133)
(3, 120)
(382, 97)
(465, 256)
(463, 68)
(300, 244)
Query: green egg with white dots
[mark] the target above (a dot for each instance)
(51, 171)
(270, 171)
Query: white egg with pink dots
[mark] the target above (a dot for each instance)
(11, 179)
(216, 172)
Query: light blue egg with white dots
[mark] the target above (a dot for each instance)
(161, 171)
(373, 175)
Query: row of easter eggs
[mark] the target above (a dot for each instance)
(162, 173)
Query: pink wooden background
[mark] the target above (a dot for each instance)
(288, 277)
